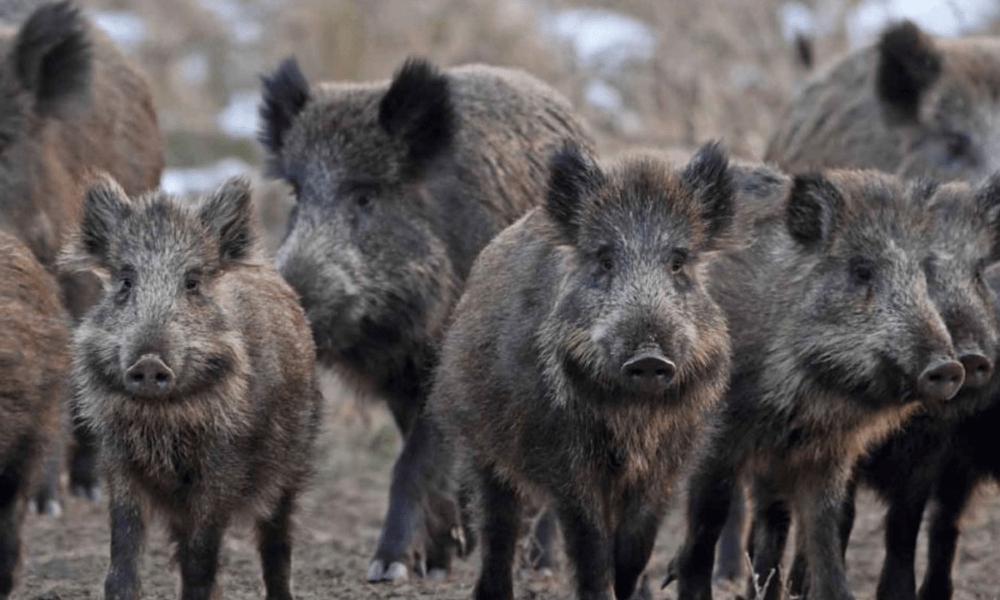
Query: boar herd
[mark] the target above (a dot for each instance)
(554, 332)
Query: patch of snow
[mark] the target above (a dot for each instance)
(243, 27)
(602, 38)
(201, 179)
(194, 68)
(796, 19)
(940, 17)
(601, 94)
(239, 119)
(126, 28)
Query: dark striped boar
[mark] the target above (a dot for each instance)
(399, 184)
(584, 359)
(836, 343)
(912, 104)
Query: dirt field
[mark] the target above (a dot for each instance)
(339, 521)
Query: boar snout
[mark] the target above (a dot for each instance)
(978, 368)
(149, 376)
(941, 379)
(649, 371)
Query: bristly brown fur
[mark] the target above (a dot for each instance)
(234, 435)
(832, 327)
(532, 390)
(70, 102)
(34, 366)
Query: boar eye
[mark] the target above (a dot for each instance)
(604, 258)
(862, 271)
(364, 200)
(958, 144)
(677, 261)
(124, 287)
(192, 283)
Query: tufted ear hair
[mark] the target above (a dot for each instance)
(228, 215)
(708, 176)
(572, 176)
(53, 56)
(105, 207)
(813, 209)
(908, 65)
(284, 93)
(417, 109)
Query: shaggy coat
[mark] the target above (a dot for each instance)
(196, 372)
(538, 388)
(399, 184)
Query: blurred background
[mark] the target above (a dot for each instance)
(645, 73)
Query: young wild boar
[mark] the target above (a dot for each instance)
(69, 101)
(34, 365)
(963, 244)
(399, 184)
(836, 342)
(584, 358)
(195, 369)
(911, 104)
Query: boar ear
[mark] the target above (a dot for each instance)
(228, 215)
(988, 203)
(571, 177)
(418, 110)
(813, 208)
(908, 64)
(52, 56)
(105, 206)
(708, 176)
(283, 95)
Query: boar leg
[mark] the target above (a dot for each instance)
(710, 493)
(798, 575)
(499, 532)
(83, 466)
(11, 480)
(633, 543)
(588, 547)
(897, 581)
(198, 558)
(128, 532)
(952, 492)
(768, 535)
(820, 507)
(730, 551)
(540, 556)
(421, 466)
(274, 542)
(46, 495)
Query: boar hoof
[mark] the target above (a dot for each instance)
(89, 492)
(396, 572)
(50, 507)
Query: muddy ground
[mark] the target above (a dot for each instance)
(339, 520)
